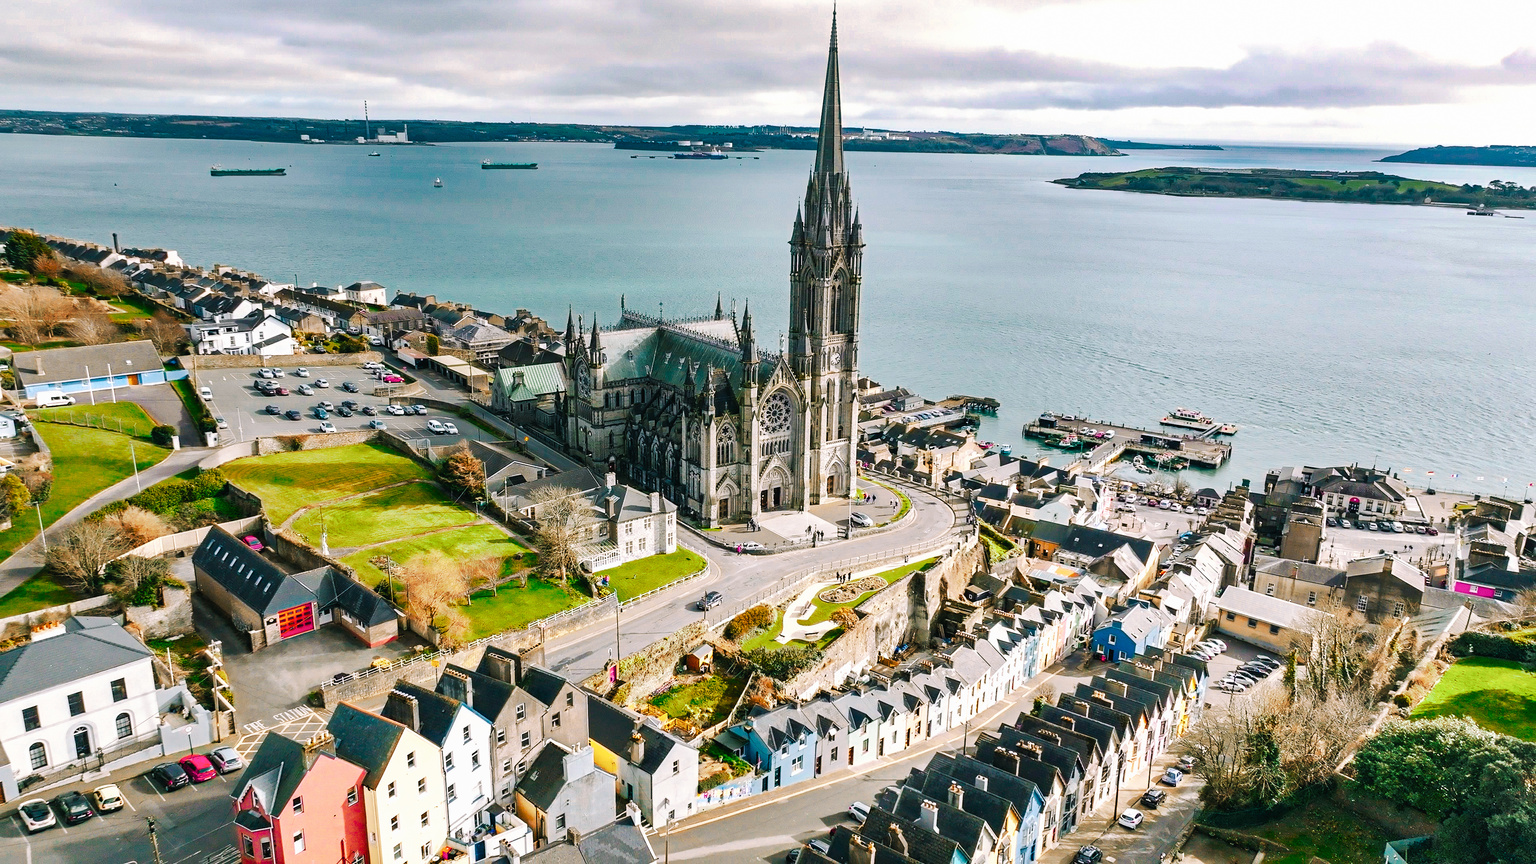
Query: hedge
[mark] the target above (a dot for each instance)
(754, 618)
(168, 495)
(1493, 645)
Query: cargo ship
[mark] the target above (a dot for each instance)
(221, 171)
(701, 154)
(488, 165)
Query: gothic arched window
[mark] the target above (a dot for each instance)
(725, 444)
(775, 422)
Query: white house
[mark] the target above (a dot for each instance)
(261, 333)
(464, 738)
(632, 525)
(653, 769)
(366, 291)
(81, 695)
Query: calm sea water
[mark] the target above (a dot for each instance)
(1331, 333)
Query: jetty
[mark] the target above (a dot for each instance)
(1103, 442)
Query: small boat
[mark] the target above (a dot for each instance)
(374, 153)
(438, 183)
(1188, 419)
(1228, 429)
(701, 154)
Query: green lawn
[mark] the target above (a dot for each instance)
(767, 638)
(39, 592)
(1497, 694)
(713, 696)
(823, 610)
(467, 543)
(125, 417)
(288, 481)
(648, 574)
(388, 514)
(1323, 829)
(85, 461)
(514, 607)
(135, 308)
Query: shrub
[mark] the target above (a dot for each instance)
(162, 435)
(784, 663)
(845, 618)
(137, 526)
(207, 484)
(111, 509)
(1493, 645)
(752, 619)
(163, 497)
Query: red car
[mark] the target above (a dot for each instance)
(198, 767)
(251, 541)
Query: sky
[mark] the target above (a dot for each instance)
(1317, 71)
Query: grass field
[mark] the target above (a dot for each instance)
(288, 481)
(823, 610)
(768, 636)
(648, 574)
(514, 608)
(39, 592)
(712, 696)
(388, 514)
(462, 544)
(1323, 829)
(125, 417)
(1496, 694)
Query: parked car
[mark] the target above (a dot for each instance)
(302, 371)
(225, 759)
(36, 815)
(322, 382)
(1186, 764)
(1371, 526)
(1172, 777)
(392, 379)
(197, 767)
(1088, 855)
(278, 373)
(220, 423)
(394, 410)
(858, 811)
(751, 545)
(251, 541)
(281, 391)
(265, 373)
(349, 386)
(293, 414)
(710, 600)
(861, 519)
(1131, 818)
(1153, 797)
(369, 410)
(1220, 645)
(1332, 522)
(376, 424)
(106, 799)
(326, 404)
(793, 855)
(327, 427)
(821, 844)
(420, 410)
(274, 410)
(73, 807)
(344, 411)
(436, 426)
(306, 390)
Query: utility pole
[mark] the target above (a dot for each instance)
(617, 651)
(154, 841)
(40, 530)
(132, 454)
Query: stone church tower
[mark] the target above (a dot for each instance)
(826, 259)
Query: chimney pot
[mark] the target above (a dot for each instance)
(897, 841)
(928, 817)
(956, 796)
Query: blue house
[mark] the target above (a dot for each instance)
(1131, 631)
(781, 745)
(85, 368)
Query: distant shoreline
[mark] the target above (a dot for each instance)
(1505, 155)
(1357, 187)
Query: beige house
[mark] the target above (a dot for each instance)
(404, 790)
(1270, 623)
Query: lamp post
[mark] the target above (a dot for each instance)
(132, 454)
(88, 387)
(40, 531)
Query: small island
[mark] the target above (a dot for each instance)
(1367, 187)
(1510, 155)
(1147, 145)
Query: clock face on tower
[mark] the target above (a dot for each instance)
(583, 381)
(837, 359)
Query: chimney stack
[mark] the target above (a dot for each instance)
(1067, 723)
(1007, 760)
(928, 817)
(896, 840)
(956, 796)
(636, 747)
(114, 242)
(610, 479)
(860, 851)
(1048, 735)
(981, 782)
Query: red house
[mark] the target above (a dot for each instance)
(300, 804)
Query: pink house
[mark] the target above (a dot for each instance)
(298, 804)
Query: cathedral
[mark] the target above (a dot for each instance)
(696, 409)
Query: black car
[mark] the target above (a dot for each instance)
(274, 410)
(349, 404)
(1088, 855)
(343, 411)
(349, 386)
(74, 808)
(293, 414)
(710, 600)
(1154, 797)
(168, 777)
(369, 410)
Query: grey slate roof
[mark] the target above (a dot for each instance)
(487, 695)
(87, 646)
(542, 684)
(258, 582)
(546, 775)
(612, 726)
(963, 828)
(436, 711)
(923, 845)
(618, 843)
(275, 771)
(364, 739)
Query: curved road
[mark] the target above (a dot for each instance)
(738, 577)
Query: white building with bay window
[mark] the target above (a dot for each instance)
(81, 696)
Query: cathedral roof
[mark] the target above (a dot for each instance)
(639, 349)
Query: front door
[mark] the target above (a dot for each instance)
(82, 742)
(778, 493)
(763, 499)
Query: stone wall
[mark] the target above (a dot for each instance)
(18, 626)
(173, 619)
(289, 361)
(315, 441)
(227, 453)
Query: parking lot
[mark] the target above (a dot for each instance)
(1342, 545)
(244, 408)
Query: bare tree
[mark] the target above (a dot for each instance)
(81, 553)
(93, 327)
(137, 526)
(433, 583)
(563, 521)
(1336, 652)
(35, 312)
(132, 573)
(481, 573)
(165, 332)
(104, 283)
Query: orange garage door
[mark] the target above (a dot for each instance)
(292, 622)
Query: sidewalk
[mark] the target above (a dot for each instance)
(26, 561)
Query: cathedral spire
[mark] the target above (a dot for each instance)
(829, 141)
(719, 309)
(570, 325)
(597, 347)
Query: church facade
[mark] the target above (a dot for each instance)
(697, 410)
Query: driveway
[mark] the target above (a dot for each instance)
(162, 403)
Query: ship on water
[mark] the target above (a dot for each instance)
(488, 165)
(702, 153)
(221, 171)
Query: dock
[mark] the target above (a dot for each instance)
(1171, 450)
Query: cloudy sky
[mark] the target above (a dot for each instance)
(1357, 71)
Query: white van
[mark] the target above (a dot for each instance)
(54, 399)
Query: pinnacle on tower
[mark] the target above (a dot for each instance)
(596, 347)
(719, 309)
(829, 141)
(570, 325)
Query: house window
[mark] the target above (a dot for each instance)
(501, 737)
(124, 725)
(559, 821)
(1270, 590)
(1361, 602)
(38, 754)
(298, 804)
(421, 786)
(1397, 610)
(29, 718)
(76, 704)
(866, 745)
(1274, 628)
(834, 754)
(448, 761)
(474, 759)
(247, 848)
(410, 759)
(554, 720)
(1231, 616)
(399, 855)
(453, 792)
(119, 690)
(266, 847)
(1311, 598)
(425, 818)
(675, 764)
(391, 789)
(298, 841)
(522, 711)
(794, 766)
(352, 796)
(1253, 622)
(394, 823)
(526, 740)
(570, 700)
(426, 851)
(506, 766)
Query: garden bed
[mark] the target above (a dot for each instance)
(704, 700)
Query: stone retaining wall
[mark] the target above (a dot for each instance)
(288, 361)
(173, 619)
(313, 441)
(18, 626)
